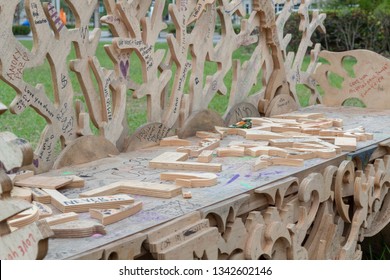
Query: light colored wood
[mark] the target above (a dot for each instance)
(187, 195)
(265, 161)
(174, 141)
(61, 218)
(14, 152)
(231, 152)
(23, 174)
(203, 145)
(77, 229)
(76, 183)
(12, 207)
(206, 156)
(27, 243)
(85, 149)
(22, 193)
(266, 150)
(5, 185)
(25, 218)
(346, 143)
(263, 135)
(79, 205)
(110, 216)
(190, 180)
(207, 134)
(40, 196)
(44, 211)
(174, 160)
(44, 182)
(369, 83)
(136, 188)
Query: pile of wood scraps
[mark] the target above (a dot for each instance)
(286, 140)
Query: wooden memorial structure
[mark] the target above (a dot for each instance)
(266, 179)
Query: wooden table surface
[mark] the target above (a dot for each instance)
(235, 179)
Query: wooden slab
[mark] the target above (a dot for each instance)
(61, 218)
(12, 207)
(20, 175)
(174, 141)
(27, 243)
(22, 193)
(14, 152)
(231, 152)
(190, 180)
(110, 216)
(79, 205)
(24, 218)
(174, 160)
(346, 143)
(203, 145)
(40, 196)
(136, 188)
(44, 182)
(77, 229)
(205, 156)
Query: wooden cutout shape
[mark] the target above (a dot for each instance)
(76, 182)
(25, 218)
(266, 161)
(44, 211)
(198, 11)
(231, 152)
(61, 218)
(206, 156)
(23, 174)
(85, 149)
(174, 160)
(12, 207)
(174, 141)
(187, 195)
(14, 152)
(369, 84)
(77, 229)
(27, 243)
(190, 180)
(79, 205)
(110, 216)
(346, 143)
(21, 193)
(136, 188)
(40, 196)
(207, 134)
(44, 182)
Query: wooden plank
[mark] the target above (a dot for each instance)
(173, 160)
(266, 161)
(79, 205)
(263, 135)
(22, 193)
(190, 180)
(77, 229)
(25, 218)
(110, 216)
(207, 134)
(346, 143)
(40, 196)
(12, 207)
(61, 218)
(27, 243)
(44, 182)
(174, 141)
(205, 156)
(23, 174)
(136, 188)
(231, 152)
(76, 183)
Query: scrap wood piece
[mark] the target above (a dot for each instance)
(22, 193)
(175, 160)
(24, 218)
(298, 116)
(13, 245)
(76, 183)
(11, 207)
(190, 180)
(174, 141)
(77, 229)
(5, 185)
(44, 211)
(324, 153)
(207, 134)
(110, 216)
(346, 143)
(266, 150)
(203, 145)
(231, 152)
(248, 144)
(44, 182)
(136, 188)
(40, 196)
(20, 175)
(14, 152)
(79, 205)
(266, 161)
(205, 156)
(288, 142)
(263, 135)
(61, 218)
(187, 194)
